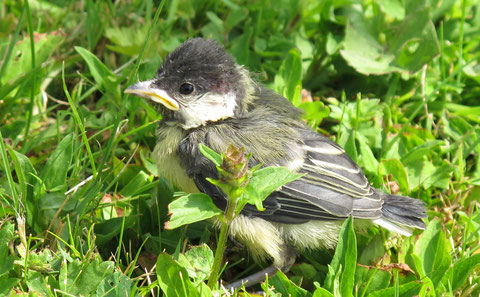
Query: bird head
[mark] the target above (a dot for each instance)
(199, 82)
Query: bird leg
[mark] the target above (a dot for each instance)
(253, 279)
(261, 275)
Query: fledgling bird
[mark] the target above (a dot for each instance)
(206, 97)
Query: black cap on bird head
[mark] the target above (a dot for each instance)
(199, 82)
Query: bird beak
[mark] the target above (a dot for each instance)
(143, 89)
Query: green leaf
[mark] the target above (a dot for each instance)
(26, 175)
(426, 174)
(108, 229)
(367, 159)
(148, 163)
(410, 289)
(7, 234)
(441, 177)
(6, 285)
(45, 45)
(37, 282)
(54, 173)
(24, 170)
(105, 78)
(288, 81)
(236, 16)
(307, 272)
(204, 290)
(173, 278)
(350, 146)
(462, 269)
(241, 45)
(472, 71)
(126, 40)
(136, 183)
(198, 262)
(407, 47)
(286, 287)
(344, 262)
(371, 280)
(321, 292)
(210, 154)
(116, 285)
(315, 111)
(53, 201)
(218, 22)
(363, 52)
(414, 42)
(418, 153)
(38, 261)
(393, 8)
(48, 204)
(428, 289)
(15, 128)
(191, 208)
(264, 181)
(434, 250)
(372, 252)
(395, 168)
(78, 278)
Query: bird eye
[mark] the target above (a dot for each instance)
(186, 88)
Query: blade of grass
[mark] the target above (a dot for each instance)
(135, 131)
(79, 121)
(430, 97)
(13, 41)
(343, 99)
(120, 241)
(101, 191)
(29, 111)
(129, 270)
(133, 75)
(144, 46)
(460, 42)
(8, 173)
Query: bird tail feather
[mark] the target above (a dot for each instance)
(401, 214)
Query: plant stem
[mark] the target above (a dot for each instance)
(222, 241)
(217, 261)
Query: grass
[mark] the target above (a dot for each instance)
(82, 209)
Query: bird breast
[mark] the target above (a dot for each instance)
(167, 160)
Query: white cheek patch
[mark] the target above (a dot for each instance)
(210, 107)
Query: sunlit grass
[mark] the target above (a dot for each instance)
(83, 210)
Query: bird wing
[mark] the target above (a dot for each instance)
(333, 187)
